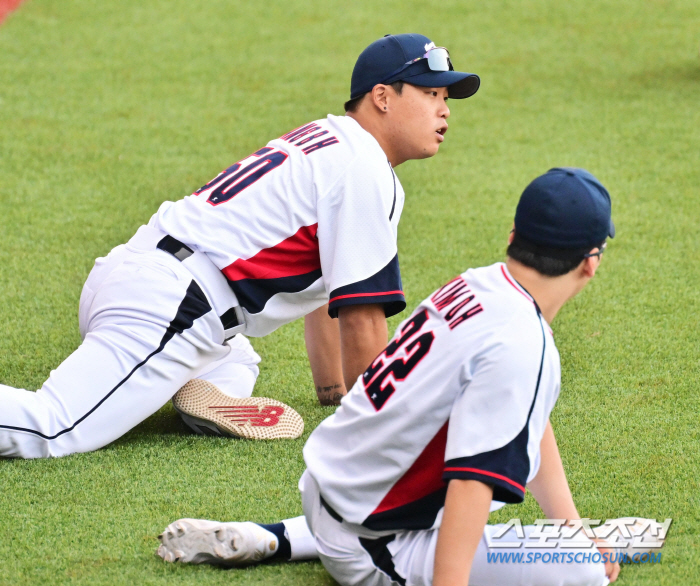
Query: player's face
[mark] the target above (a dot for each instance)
(419, 121)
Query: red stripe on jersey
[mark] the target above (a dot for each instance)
(366, 295)
(487, 473)
(422, 478)
(297, 255)
(518, 289)
(7, 6)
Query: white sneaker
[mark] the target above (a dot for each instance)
(633, 535)
(197, 541)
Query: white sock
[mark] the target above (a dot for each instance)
(302, 543)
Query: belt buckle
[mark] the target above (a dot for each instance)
(174, 247)
(233, 321)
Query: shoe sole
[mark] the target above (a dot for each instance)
(197, 541)
(209, 411)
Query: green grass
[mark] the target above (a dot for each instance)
(108, 109)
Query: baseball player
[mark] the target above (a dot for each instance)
(449, 421)
(304, 226)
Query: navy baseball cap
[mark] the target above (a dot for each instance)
(566, 209)
(405, 58)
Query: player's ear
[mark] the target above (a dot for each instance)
(511, 235)
(380, 97)
(590, 266)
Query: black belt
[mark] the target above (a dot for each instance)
(179, 250)
(182, 252)
(331, 510)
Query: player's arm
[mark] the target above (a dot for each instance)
(550, 487)
(551, 490)
(363, 335)
(341, 350)
(465, 515)
(322, 337)
(359, 259)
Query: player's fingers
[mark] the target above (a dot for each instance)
(611, 569)
(614, 571)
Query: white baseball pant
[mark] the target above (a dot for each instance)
(356, 556)
(150, 323)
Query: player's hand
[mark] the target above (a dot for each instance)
(612, 570)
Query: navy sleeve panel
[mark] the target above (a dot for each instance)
(419, 514)
(506, 469)
(383, 287)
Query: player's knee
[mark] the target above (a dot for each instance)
(247, 375)
(242, 351)
(254, 372)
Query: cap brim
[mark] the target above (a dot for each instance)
(611, 230)
(459, 85)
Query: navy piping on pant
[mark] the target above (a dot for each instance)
(192, 307)
(381, 556)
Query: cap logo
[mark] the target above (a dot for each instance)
(429, 46)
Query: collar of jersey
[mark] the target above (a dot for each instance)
(524, 292)
(362, 130)
(517, 286)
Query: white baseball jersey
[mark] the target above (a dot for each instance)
(464, 390)
(310, 218)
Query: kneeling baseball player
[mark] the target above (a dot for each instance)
(304, 226)
(451, 420)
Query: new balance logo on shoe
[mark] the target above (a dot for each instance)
(242, 414)
(207, 410)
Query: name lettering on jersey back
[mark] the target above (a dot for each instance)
(455, 302)
(308, 133)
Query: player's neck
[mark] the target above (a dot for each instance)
(550, 293)
(373, 124)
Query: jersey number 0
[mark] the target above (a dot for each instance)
(238, 176)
